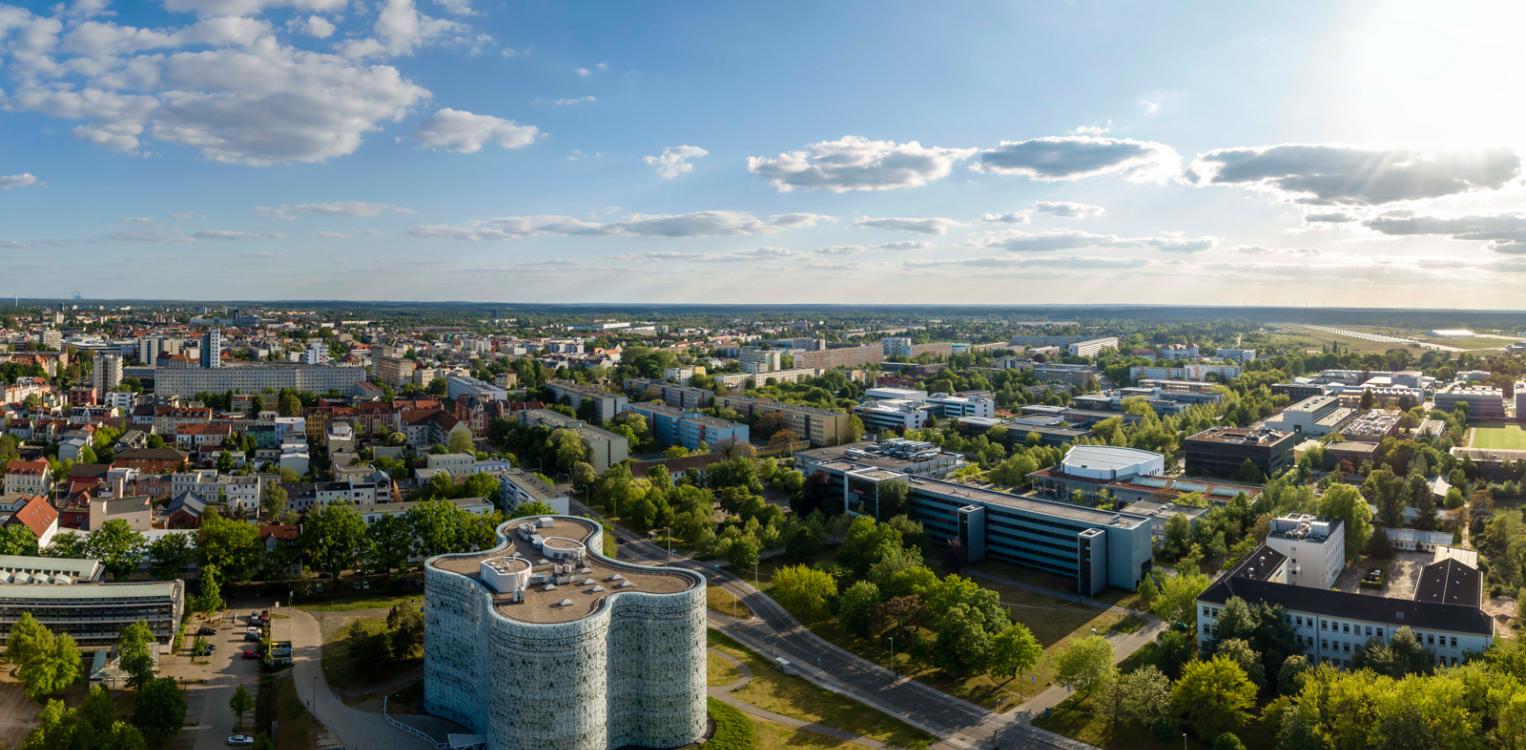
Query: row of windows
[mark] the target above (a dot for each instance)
(1348, 628)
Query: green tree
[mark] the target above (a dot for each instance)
(1086, 665)
(391, 542)
(1176, 600)
(566, 448)
(1014, 651)
(117, 546)
(210, 595)
(170, 555)
(334, 538)
(460, 441)
(17, 539)
(159, 711)
(405, 631)
(28, 636)
(805, 592)
(275, 500)
(1401, 655)
(855, 606)
(1345, 503)
(51, 667)
(135, 651)
(231, 544)
(240, 703)
(742, 553)
(1144, 695)
(532, 508)
(289, 405)
(893, 499)
(1213, 696)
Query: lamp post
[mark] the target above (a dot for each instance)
(892, 657)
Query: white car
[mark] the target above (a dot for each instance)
(240, 740)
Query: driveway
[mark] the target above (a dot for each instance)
(209, 685)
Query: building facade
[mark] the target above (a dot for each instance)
(187, 382)
(542, 642)
(68, 597)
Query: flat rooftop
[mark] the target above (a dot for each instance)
(591, 584)
(1241, 436)
(1069, 511)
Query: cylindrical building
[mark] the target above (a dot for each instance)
(542, 642)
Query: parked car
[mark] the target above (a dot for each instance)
(206, 630)
(252, 637)
(204, 649)
(254, 616)
(240, 740)
(251, 654)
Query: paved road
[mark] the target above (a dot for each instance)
(354, 729)
(775, 633)
(210, 683)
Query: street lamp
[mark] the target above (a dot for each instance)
(892, 657)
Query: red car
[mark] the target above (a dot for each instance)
(250, 653)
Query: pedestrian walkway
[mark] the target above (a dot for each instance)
(723, 693)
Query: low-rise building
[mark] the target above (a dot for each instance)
(1315, 548)
(69, 597)
(605, 448)
(818, 426)
(1315, 416)
(1221, 451)
(27, 477)
(516, 487)
(1089, 469)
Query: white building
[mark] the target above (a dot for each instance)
(756, 360)
(106, 373)
(1091, 347)
(459, 387)
(542, 642)
(1315, 549)
(893, 414)
(956, 405)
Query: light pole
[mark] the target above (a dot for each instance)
(667, 531)
(892, 657)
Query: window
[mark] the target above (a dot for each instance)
(1380, 632)
(1324, 625)
(1206, 612)
(1454, 641)
(1324, 644)
(1345, 627)
(1369, 631)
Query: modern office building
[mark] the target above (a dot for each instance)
(1089, 469)
(672, 394)
(819, 426)
(1484, 404)
(1332, 626)
(673, 426)
(1094, 548)
(893, 414)
(606, 404)
(1315, 416)
(212, 348)
(256, 378)
(461, 387)
(68, 597)
(1315, 548)
(542, 642)
(916, 457)
(970, 404)
(1221, 451)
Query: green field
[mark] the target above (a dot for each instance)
(1500, 437)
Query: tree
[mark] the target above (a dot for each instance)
(805, 592)
(135, 651)
(1213, 696)
(1144, 695)
(1176, 600)
(855, 606)
(866, 543)
(289, 405)
(159, 711)
(230, 544)
(17, 539)
(67, 544)
(1014, 651)
(566, 448)
(241, 703)
(1239, 651)
(117, 546)
(892, 499)
(334, 538)
(583, 475)
(210, 596)
(170, 555)
(743, 553)
(1249, 473)
(1086, 665)
(1178, 536)
(1402, 655)
(460, 441)
(28, 636)
(275, 500)
(405, 631)
(51, 667)
(1345, 503)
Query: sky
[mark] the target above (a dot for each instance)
(1297, 153)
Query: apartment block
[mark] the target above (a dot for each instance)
(605, 403)
(818, 426)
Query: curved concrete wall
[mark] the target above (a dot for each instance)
(630, 673)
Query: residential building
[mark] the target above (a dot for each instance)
(617, 650)
(1331, 626)
(38, 516)
(68, 597)
(516, 487)
(135, 510)
(1172, 352)
(672, 394)
(968, 404)
(458, 464)
(256, 378)
(690, 429)
(605, 448)
(106, 373)
(394, 371)
(1191, 371)
(27, 477)
(1221, 451)
(459, 387)
(819, 426)
(605, 403)
(1091, 347)
(848, 356)
(911, 457)
(211, 350)
(1239, 355)
(1315, 548)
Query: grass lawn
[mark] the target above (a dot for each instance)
(1499, 437)
(719, 672)
(365, 601)
(792, 696)
(773, 736)
(720, 600)
(295, 727)
(345, 665)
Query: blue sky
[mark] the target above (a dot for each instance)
(1045, 152)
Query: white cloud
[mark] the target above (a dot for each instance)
(464, 132)
(137, 220)
(457, 7)
(1073, 157)
(251, 7)
(574, 101)
(25, 179)
(361, 209)
(923, 225)
(1502, 232)
(1263, 250)
(230, 235)
(692, 224)
(1009, 262)
(401, 30)
(1011, 217)
(856, 163)
(1021, 241)
(675, 160)
(1324, 174)
(904, 245)
(329, 234)
(1329, 217)
(216, 235)
(1068, 209)
(316, 27)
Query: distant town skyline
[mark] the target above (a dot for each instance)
(1342, 154)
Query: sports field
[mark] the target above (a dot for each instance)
(1499, 437)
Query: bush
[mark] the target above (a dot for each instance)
(1227, 741)
(733, 730)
